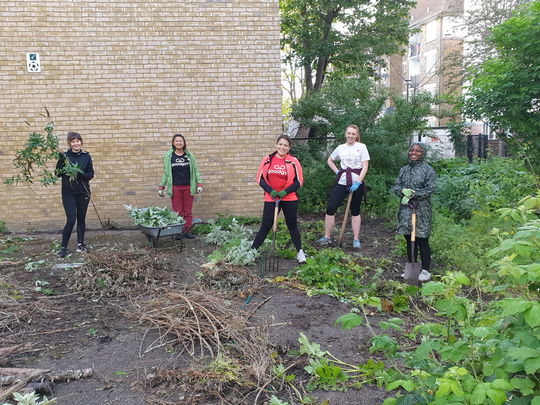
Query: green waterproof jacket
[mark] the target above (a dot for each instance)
(194, 176)
(419, 177)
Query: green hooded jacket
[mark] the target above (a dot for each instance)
(420, 177)
(194, 176)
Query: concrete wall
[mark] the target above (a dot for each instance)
(127, 75)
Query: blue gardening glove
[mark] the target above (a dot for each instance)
(407, 192)
(282, 194)
(405, 200)
(355, 186)
(274, 194)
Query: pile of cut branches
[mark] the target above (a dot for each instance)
(117, 273)
(233, 356)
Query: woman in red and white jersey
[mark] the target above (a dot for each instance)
(280, 176)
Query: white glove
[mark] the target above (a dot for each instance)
(199, 190)
(161, 193)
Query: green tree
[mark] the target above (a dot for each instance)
(349, 35)
(506, 89)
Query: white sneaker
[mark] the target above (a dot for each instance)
(424, 275)
(300, 256)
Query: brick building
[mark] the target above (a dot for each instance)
(127, 75)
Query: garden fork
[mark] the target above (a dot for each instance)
(271, 261)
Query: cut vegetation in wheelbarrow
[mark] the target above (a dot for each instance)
(155, 222)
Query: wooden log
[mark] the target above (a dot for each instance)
(10, 376)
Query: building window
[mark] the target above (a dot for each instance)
(430, 60)
(432, 28)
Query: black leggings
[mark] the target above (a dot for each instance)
(425, 251)
(338, 194)
(75, 206)
(289, 211)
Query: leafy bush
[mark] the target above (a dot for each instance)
(153, 216)
(486, 184)
(318, 178)
(482, 353)
(462, 246)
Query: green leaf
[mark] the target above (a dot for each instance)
(498, 397)
(349, 321)
(479, 394)
(462, 279)
(532, 316)
(501, 384)
(522, 353)
(524, 385)
(405, 384)
(536, 400)
(433, 288)
(514, 306)
(532, 365)
(311, 349)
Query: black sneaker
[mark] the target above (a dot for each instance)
(81, 247)
(189, 235)
(62, 252)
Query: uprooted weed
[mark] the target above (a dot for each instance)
(117, 273)
(230, 279)
(231, 357)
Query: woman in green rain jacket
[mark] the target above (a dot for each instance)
(414, 185)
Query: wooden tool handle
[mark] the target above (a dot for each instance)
(345, 217)
(413, 232)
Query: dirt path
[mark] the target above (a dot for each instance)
(72, 330)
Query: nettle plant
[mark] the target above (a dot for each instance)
(483, 353)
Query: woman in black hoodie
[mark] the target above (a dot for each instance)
(75, 189)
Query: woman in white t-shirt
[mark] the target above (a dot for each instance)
(354, 162)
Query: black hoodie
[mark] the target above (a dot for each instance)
(81, 184)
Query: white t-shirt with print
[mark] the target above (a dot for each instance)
(350, 156)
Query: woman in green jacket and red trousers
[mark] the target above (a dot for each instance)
(181, 179)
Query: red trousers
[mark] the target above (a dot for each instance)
(182, 203)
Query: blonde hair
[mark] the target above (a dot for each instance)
(357, 131)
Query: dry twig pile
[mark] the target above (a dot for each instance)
(117, 273)
(232, 355)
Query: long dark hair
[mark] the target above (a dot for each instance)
(181, 136)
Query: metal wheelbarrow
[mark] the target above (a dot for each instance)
(154, 233)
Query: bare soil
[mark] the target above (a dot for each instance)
(77, 330)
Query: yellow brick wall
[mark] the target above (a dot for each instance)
(127, 75)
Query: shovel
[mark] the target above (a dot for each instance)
(344, 224)
(271, 261)
(412, 270)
